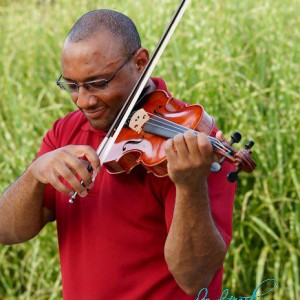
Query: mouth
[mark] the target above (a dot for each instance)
(95, 113)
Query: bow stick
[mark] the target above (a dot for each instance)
(109, 140)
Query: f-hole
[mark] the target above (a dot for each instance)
(132, 143)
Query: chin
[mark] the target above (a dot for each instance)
(98, 125)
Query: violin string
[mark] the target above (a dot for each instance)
(173, 126)
(181, 129)
(177, 128)
(215, 142)
(168, 123)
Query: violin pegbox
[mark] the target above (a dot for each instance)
(217, 165)
(138, 120)
(241, 159)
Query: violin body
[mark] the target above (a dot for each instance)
(132, 148)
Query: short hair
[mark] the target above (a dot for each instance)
(121, 26)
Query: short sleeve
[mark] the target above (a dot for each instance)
(49, 142)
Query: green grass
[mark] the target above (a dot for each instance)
(240, 59)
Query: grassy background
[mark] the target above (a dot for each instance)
(240, 59)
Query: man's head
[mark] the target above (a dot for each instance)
(97, 21)
(103, 44)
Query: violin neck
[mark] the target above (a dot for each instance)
(167, 129)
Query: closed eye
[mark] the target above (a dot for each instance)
(96, 85)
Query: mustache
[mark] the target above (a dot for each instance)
(92, 108)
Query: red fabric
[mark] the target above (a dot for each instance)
(111, 243)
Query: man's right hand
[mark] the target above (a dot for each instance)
(67, 162)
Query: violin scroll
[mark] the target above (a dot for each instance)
(241, 159)
(243, 162)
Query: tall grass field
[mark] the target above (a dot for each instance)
(239, 58)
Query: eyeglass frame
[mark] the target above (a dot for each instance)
(86, 84)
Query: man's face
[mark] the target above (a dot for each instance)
(99, 58)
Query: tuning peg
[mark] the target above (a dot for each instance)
(215, 167)
(233, 176)
(249, 145)
(235, 138)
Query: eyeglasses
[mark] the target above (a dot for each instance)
(91, 86)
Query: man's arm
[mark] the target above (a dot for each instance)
(194, 249)
(22, 214)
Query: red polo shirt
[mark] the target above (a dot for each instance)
(111, 243)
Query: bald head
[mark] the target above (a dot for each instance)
(96, 21)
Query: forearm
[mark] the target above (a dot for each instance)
(194, 248)
(21, 209)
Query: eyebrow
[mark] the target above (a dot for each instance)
(91, 78)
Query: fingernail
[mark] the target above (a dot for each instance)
(83, 194)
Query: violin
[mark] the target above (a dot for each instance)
(142, 139)
(147, 128)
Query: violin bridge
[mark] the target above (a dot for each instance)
(138, 120)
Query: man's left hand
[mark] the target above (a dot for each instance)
(189, 158)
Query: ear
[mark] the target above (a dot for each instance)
(141, 59)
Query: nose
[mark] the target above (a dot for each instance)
(84, 99)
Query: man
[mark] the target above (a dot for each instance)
(128, 236)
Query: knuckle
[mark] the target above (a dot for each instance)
(178, 138)
(58, 185)
(203, 141)
(70, 147)
(67, 174)
(90, 149)
(202, 136)
(78, 166)
(80, 188)
(168, 145)
(63, 152)
(189, 134)
(208, 147)
(49, 177)
(87, 149)
(64, 189)
(174, 168)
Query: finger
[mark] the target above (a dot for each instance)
(74, 165)
(204, 146)
(170, 150)
(86, 164)
(58, 185)
(191, 143)
(219, 136)
(180, 146)
(89, 153)
(65, 172)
